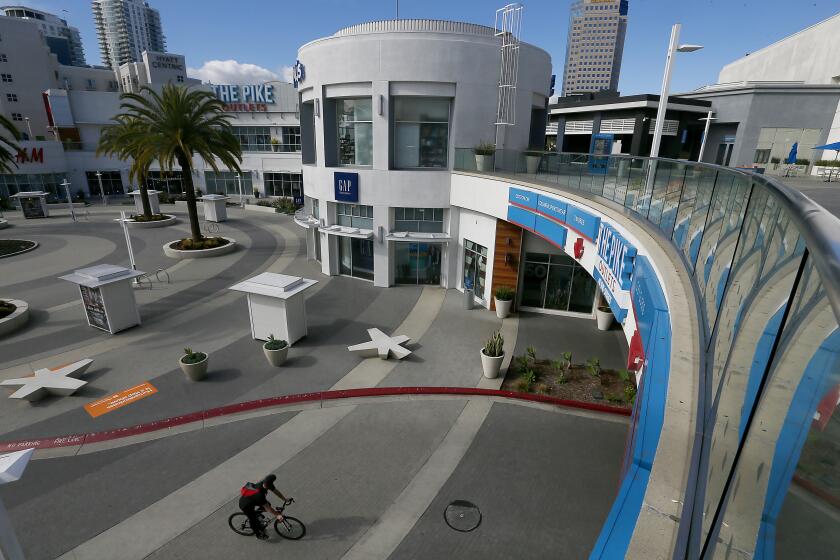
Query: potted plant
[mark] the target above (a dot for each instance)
(504, 299)
(532, 160)
(484, 156)
(275, 351)
(492, 355)
(193, 364)
(604, 316)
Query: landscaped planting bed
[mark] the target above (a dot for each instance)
(12, 246)
(6, 308)
(562, 378)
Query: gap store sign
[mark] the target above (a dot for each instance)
(346, 187)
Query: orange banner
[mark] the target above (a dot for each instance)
(119, 400)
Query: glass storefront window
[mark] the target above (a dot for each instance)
(47, 182)
(165, 181)
(283, 184)
(556, 282)
(355, 131)
(355, 257)
(111, 182)
(475, 267)
(290, 139)
(253, 138)
(417, 263)
(225, 182)
(355, 215)
(429, 220)
(421, 132)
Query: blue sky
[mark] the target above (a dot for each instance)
(266, 33)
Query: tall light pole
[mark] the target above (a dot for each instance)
(66, 186)
(708, 118)
(101, 190)
(666, 84)
(239, 182)
(28, 127)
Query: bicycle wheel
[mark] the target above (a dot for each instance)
(290, 528)
(239, 523)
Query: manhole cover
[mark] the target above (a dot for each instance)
(462, 516)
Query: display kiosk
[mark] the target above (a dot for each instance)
(108, 296)
(276, 305)
(33, 204)
(154, 203)
(215, 207)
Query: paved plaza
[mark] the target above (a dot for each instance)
(371, 476)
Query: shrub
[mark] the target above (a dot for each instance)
(4, 203)
(484, 149)
(505, 293)
(522, 363)
(630, 393)
(284, 206)
(561, 378)
(775, 160)
(495, 345)
(522, 385)
(803, 161)
(828, 163)
(593, 366)
(568, 357)
(532, 353)
(542, 389)
(274, 344)
(624, 375)
(528, 379)
(266, 203)
(191, 357)
(204, 243)
(144, 218)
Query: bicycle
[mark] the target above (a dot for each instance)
(290, 528)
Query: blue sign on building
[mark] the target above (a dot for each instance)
(521, 217)
(617, 253)
(526, 199)
(551, 231)
(552, 208)
(346, 186)
(582, 222)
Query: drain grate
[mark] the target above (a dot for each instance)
(463, 516)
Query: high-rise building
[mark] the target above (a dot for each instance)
(126, 28)
(63, 40)
(594, 46)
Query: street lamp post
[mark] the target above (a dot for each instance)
(239, 182)
(708, 118)
(28, 126)
(673, 48)
(66, 186)
(101, 190)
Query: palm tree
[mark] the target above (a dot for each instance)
(8, 148)
(125, 140)
(175, 125)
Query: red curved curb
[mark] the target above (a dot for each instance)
(155, 425)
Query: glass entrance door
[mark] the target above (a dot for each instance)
(417, 263)
(355, 257)
(556, 282)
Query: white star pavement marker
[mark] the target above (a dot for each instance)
(381, 345)
(61, 382)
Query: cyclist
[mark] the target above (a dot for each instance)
(253, 498)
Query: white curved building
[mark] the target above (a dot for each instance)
(384, 105)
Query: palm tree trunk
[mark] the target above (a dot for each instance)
(144, 196)
(186, 174)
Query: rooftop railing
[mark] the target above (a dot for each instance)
(765, 265)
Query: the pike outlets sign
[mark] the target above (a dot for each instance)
(245, 99)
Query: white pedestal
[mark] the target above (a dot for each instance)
(108, 296)
(33, 204)
(215, 207)
(276, 305)
(154, 203)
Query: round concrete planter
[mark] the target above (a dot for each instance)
(156, 224)
(199, 253)
(32, 248)
(4, 223)
(276, 357)
(483, 163)
(604, 317)
(17, 319)
(503, 307)
(197, 371)
(491, 365)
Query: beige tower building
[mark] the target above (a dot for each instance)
(595, 46)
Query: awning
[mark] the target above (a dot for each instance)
(305, 220)
(833, 146)
(417, 237)
(345, 231)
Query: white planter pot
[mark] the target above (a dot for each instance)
(155, 224)
(503, 307)
(276, 357)
(532, 164)
(491, 365)
(195, 372)
(199, 253)
(605, 319)
(484, 163)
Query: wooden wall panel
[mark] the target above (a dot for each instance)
(506, 257)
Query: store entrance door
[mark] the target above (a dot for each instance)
(556, 283)
(417, 263)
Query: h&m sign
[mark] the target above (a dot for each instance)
(35, 155)
(346, 187)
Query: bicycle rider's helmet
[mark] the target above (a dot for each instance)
(269, 480)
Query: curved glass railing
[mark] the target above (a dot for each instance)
(765, 261)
